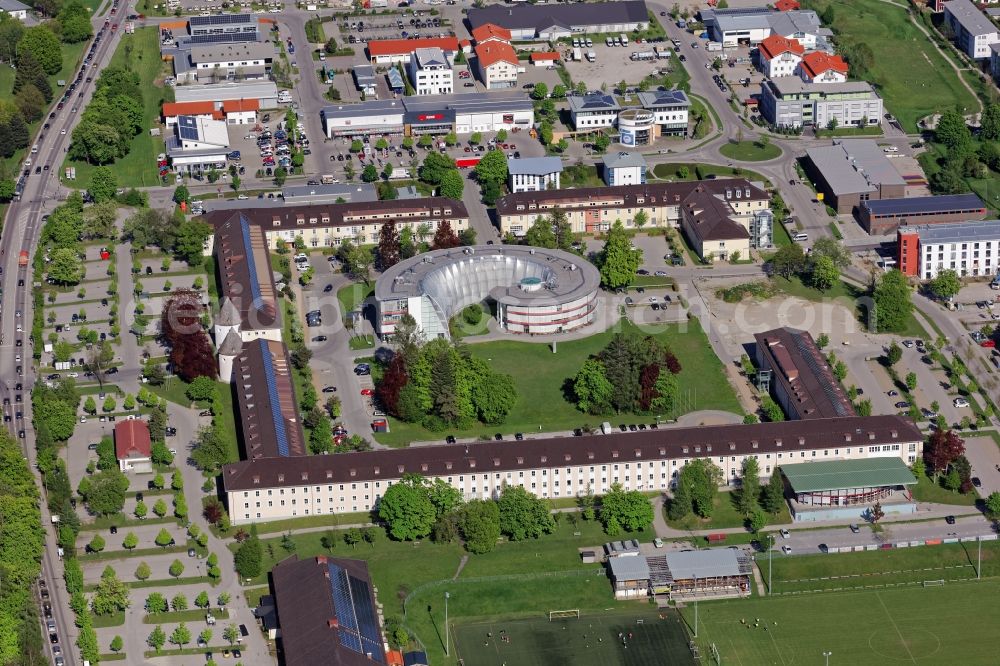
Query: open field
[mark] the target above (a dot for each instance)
(910, 92)
(591, 639)
(933, 625)
(541, 377)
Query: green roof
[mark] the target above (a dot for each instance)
(812, 477)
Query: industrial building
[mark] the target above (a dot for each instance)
(751, 25)
(852, 171)
(971, 249)
(537, 291)
(885, 216)
(265, 92)
(529, 22)
(197, 144)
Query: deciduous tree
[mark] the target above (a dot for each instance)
(629, 509)
(480, 525)
(522, 515)
(407, 509)
(618, 260)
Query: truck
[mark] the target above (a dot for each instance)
(577, 55)
(591, 56)
(662, 52)
(713, 46)
(23, 258)
(624, 39)
(327, 179)
(467, 162)
(642, 55)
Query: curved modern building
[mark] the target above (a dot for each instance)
(535, 290)
(636, 127)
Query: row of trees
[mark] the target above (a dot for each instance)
(633, 373)
(821, 269)
(439, 383)
(966, 156)
(171, 232)
(112, 118)
(552, 232)
(697, 489)
(491, 172)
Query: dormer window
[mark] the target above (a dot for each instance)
(354, 472)
(732, 446)
(545, 459)
(447, 465)
(300, 220)
(423, 467)
(663, 452)
(400, 469)
(520, 460)
(638, 453)
(276, 223)
(281, 478)
(305, 476)
(329, 473)
(256, 480)
(755, 445)
(472, 463)
(567, 457)
(377, 471)
(496, 462)
(871, 435)
(847, 436)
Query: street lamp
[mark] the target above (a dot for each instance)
(826, 655)
(446, 596)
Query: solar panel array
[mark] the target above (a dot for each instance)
(814, 367)
(224, 38)
(187, 128)
(221, 19)
(281, 433)
(358, 623)
(255, 293)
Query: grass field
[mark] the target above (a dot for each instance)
(928, 491)
(672, 171)
(725, 515)
(139, 52)
(351, 296)
(750, 151)
(910, 92)
(934, 625)
(541, 377)
(591, 639)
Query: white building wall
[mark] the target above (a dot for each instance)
(782, 65)
(970, 258)
(533, 182)
(596, 119)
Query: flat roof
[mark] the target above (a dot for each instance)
(930, 204)
(595, 102)
(534, 166)
(222, 19)
(231, 51)
(704, 563)
(218, 92)
(969, 17)
(495, 102)
(804, 373)
(793, 85)
(821, 475)
(854, 165)
(956, 232)
(540, 17)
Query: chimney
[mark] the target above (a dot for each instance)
(333, 623)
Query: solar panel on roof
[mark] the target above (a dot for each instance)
(370, 636)
(281, 433)
(220, 19)
(224, 38)
(187, 128)
(356, 617)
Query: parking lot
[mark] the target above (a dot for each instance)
(407, 25)
(613, 64)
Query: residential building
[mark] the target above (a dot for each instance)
(670, 110)
(532, 174)
(883, 216)
(527, 22)
(14, 9)
(133, 447)
(995, 60)
(593, 111)
(778, 56)
(971, 249)
(198, 144)
(430, 72)
(752, 25)
(537, 291)
(974, 31)
(497, 65)
(712, 232)
(391, 51)
(278, 488)
(821, 67)
(593, 210)
(801, 380)
(240, 111)
(852, 171)
(328, 612)
(489, 32)
(241, 60)
(624, 168)
(265, 92)
(789, 101)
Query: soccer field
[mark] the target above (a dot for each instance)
(591, 640)
(934, 625)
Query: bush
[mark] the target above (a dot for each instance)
(473, 314)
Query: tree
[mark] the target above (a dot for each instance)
(945, 284)
(480, 525)
(111, 596)
(388, 245)
(249, 558)
(435, 166)
(444, 237)
(176, 568)
(106, 495)
(952, 131)
(833, 249)
(30, 102)
(892, 306)
(130, 541)
(65, 266)
(191, 351)
(160, 508)
(702, 478)
(876, 513)
(369, 174)
(179, 602)
(163, 538)
(492, 168)
(942, 448)
(540, 234)
(181, 635)
(141, 510)
(788, 260)
(201, 388)
(618, 260)
(117, 644)
(749, 487)
(680, 505)
(103, 184)
(863, 407)
(202, 601)
(494, 396)
(44, 46)
(774, 493)
(911, 380)
(993, 505)
(157, 638)
(522, 515)
(629, 509)
(96, 544)
(757, 521)
(823, 273)
(452, 184)
(407, 509)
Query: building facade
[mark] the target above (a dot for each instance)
(777, 56)
(533, 174)
(850, 172)
(392, 51)
(974, 32)
(431, 73)
(527, 22)
(624, 168)
(279, 488)
(670, 109)
(791, 102)
(884, 216)
(971, 249)
(497, 65)
(593, 111)
(820, 67)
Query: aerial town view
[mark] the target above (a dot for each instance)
(499, 332)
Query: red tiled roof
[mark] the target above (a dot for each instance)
(548, 55)
(383, 47)
(775, 45)
(786, 5)
(494, 52)
(171, 109)
(132, 440)
(817, 62)
(237, 105)
(488, 30)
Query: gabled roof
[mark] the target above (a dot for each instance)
(651, 99)
(491, 53)
(624, 159)
(547, 55)
(132, 439)
(822, 475)
(171, 109)
(787, 5)
(709, 218)
(490, 31)
(383, 47)
(13, 6)
(534, 166)
(238, 105)
(539, 17)
(775, 45)
(595, 102)
(817, 62)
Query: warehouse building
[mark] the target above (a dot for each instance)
(265, 92)
(752, 25)
(884, 216)
(971, 249)
(528, 22)
(852, 171)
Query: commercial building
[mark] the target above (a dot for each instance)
(197, 144)
(265, 92)
(14, 9)
(232, 111)
(536, 290)
(971, 249)
(430, 72)
(974, 31)
(545, 58)
(752, 25)
(533, 174)
(391, 51)
(240, 60)
(852, 171)
(636, 127)
(670, 109)
(801, 380)
(845, 489)
(301, 195)
(133, 447)
(593, 111)
(277, 488)
(884, 216)
(497, 65)
(624, 168)
(527, 22)
(365, 80)
(328, 613)
(491, 33)
(593, 210)
(223, 24)
(820, 67)
(789, 101)
(778, 56)
(433, 114)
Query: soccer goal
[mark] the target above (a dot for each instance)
(563, 614)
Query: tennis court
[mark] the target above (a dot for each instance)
(640, 637)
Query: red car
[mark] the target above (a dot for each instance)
(988, 343)
(114, 26)
(367, 391)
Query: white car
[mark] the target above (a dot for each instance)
(784, 533)
(787, 550)
(62, 131)
(242, 197)
(83, 419)
(961, 402)
(73, 375)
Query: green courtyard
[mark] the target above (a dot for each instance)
(750, 151)
(542, 378)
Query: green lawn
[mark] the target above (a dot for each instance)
(541, 376)
(305, 522)
(138, 168)
(725, 515)
(935, 625)
(928, 491)
(911, 75)
(112, 620)
(750, 151)
(988, 188)
(674, 171)
(353, 295)
(173, 389)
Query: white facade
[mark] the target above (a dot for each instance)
(828, 76)
(533, 182)
(499, 75)
(625, 175)
(783, 64)
(467, 123)
(241, 117)
(595, 119)
(431, 73)
(974, 31)
(971, 249)
(14, 9)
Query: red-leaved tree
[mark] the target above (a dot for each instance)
(393, 380)
(647, 385)
(941, 450)
(190, 349)
(445, 237)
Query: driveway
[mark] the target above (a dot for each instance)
(984, 454)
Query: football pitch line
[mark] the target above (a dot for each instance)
(896, 627)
